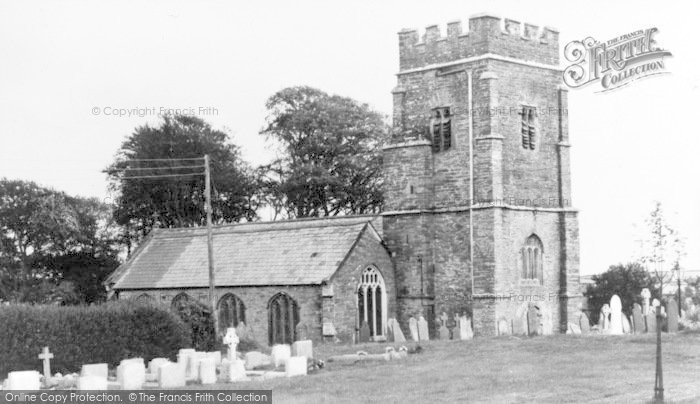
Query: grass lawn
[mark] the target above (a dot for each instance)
(557, 368)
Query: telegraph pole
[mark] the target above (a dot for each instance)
(210, 242)
(659, 382)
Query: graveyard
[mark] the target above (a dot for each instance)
(613, 360)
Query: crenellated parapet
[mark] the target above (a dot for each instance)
(487, 34)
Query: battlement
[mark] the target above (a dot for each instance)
(487, 34)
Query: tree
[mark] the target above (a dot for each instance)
(143, 204)
(330, 161)
(40, 227)
(626, 281)
(663, 247)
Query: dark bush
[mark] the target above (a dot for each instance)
(88, 334)
(201, 323)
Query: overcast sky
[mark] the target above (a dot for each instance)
(62, 61)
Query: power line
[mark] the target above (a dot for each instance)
(158, 176)
(160, 168)
(175, 159)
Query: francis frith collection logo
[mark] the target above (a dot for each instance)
(614, 63)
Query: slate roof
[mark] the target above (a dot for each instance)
(298, 252)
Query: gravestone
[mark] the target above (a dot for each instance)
(413, 327)
(280, 353)
(254, 359)
(131, 374)
(303, 348)
(520, 322)
(423, 334)
(155, 363)
(302, 331)
(584, 323)
(92, 383)
(364, 332)
(503, 328)
(24, 380)
(171, 375)
(465, 330)
(184, 357)
(296, 366)
(547, 325)
(46, 357)
(638, 319)
(231, 339)
(95, 369)
(626, 326)
(646, 295)
(604, 319)
(533, 320)
(443, 331)
(573, 329)
(457, 330)
(615, 315)
(396, 331)
(672, 316)
(207, 371)
(216, 355)
(651, 322)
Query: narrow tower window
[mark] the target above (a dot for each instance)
(441, 129)
(528, 127)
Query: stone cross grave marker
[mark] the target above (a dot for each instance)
(231, 339)
(46, 356)
(637, 319)
(672, 313)
(615, 315)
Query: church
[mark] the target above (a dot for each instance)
(477, 215)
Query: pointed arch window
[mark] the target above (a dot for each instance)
(371, 301)
(531, 261)
(528, 115)
(283, 317)
(179, 299)
(231, 311)
(441, 129)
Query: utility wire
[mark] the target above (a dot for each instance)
(158, 176)
(176, 159)
(160, 168)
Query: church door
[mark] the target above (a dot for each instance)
(283, 316)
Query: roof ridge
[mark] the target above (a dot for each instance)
(190, 230)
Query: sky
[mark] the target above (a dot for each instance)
(71, 71)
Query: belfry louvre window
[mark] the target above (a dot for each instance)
(441, 129)
(528, 127)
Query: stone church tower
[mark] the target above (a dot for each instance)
(478, 211)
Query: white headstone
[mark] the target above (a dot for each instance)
(295, 366)
(626, 326)
(95, 369)
(396, 330)
(131, 374)
(216, 355)
(92, 383)
(155, 363)
(254, 359)
(171, 375)
(465, 328)
(280, 353)
(303, 348)
(207, 371)
(615, 315)
(192, 372)
(573, 329)
(183, 358)
(423, 333)
(413, 327)
(23, 380)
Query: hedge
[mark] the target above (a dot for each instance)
(77, 335)
(197, 316)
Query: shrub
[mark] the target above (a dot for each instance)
(198, 318)
(87, 334)
(626, 281)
